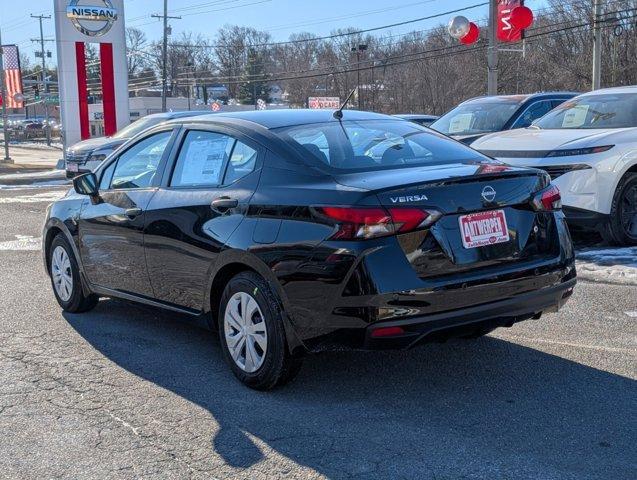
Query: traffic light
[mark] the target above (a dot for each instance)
(36, 92)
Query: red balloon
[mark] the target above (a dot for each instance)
(472, 35)
(521, 17)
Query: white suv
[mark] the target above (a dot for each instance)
(589, 147)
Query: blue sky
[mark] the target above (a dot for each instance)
(279, 17)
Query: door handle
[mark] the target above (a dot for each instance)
(133, 212)
(223, 204)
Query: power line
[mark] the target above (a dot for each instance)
(356, 32)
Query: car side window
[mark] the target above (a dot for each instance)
(137, 166)
(202, 159)
(242, 162)
(532, 113)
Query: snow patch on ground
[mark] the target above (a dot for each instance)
(35, 197)
(22, 243)
(610, 265)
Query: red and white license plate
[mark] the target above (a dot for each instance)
(483, 228)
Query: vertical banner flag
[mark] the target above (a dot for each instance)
(507, 32)
(12, 74)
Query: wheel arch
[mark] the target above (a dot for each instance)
(231, 263)
(53, 228)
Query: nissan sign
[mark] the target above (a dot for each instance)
(92, 18)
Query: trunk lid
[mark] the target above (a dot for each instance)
(450, 188)
(461, 190)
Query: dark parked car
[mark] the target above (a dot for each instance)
(296, 231)
(86, 155)
(420, 119)
(478, 116)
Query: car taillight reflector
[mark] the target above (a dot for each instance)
(371, 222)
(548, 199)
(387, 332)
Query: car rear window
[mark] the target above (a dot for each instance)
(374, 145)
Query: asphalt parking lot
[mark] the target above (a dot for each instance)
(130, 392)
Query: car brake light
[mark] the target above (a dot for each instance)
(371, 222)
(548, 199)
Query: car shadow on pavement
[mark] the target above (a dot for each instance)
(472, 409)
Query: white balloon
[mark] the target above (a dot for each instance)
(458, 26)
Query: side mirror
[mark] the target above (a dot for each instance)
(86, 184)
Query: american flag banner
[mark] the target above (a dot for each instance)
(12, 74)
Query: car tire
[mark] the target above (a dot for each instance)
(65, 278)
(251, 320)
(615, 230)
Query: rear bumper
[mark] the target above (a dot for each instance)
(480, 317)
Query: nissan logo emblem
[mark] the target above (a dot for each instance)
(94, 18)
(488, 193)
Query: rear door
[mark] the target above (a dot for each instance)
(202, 200)
(111, 231)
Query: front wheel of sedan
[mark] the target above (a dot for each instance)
(252, 333)
(65, 278)
(621, 228)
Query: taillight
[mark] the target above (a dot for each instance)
(548, 199)
(371, 222)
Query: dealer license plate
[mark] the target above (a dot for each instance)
(483, 228)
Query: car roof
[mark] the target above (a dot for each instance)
(180, 114)
(520, 98)
(622, 89)
(287, 117)
(408, 116)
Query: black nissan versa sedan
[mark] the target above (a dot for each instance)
(298, 231)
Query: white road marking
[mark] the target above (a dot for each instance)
(628, 351)
(22, 243)
(631, 314)
(35, 197)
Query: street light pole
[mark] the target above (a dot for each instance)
(164, 54)
(597, 45)
(45, 84)
(358, 49)
(492, 55)
(3, 91)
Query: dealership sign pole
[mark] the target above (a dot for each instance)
(78, 22)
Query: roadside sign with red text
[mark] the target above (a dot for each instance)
(324, 102)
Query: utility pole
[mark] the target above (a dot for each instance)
(492, 53)
(164, 54)
(5, 120)
(597, 44)
(45, 84)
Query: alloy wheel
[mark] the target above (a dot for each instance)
(62, 273)
(245, 332)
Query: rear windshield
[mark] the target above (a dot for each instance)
(476, 117)
(375, 145)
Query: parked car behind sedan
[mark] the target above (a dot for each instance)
(86, 155)
(589, 147)
(290, 232)
(421, 119)
(476, 117)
